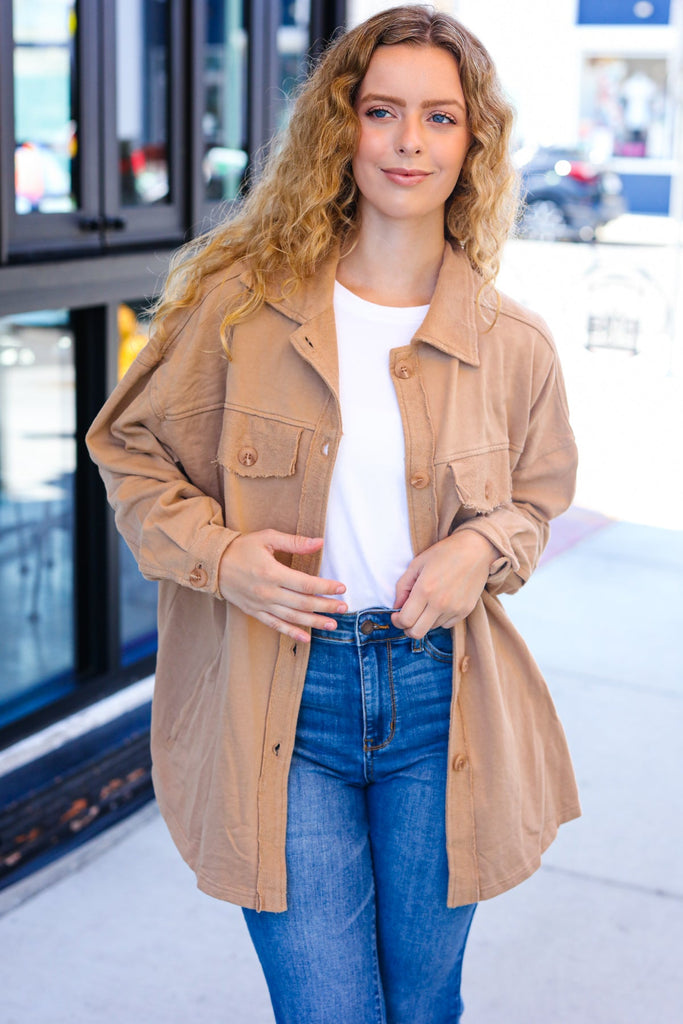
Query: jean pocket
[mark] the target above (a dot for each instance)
(438, 644)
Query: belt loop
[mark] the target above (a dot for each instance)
(417, 646)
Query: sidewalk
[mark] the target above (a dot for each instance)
(595, 937)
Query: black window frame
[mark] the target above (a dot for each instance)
(101, 221)
(91, 279)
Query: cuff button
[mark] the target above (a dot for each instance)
(199, 577)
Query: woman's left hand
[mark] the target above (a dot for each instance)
(442, 585)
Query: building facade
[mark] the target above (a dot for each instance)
(603, 76)
(126, 126)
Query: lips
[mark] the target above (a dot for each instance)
(405, 176)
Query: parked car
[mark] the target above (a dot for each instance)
(566, 196)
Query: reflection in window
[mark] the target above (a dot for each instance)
(37, 462)
(292, 50)
(224, 121)
(45, 127)
(137, 596)
(142, 112)
(626, 109)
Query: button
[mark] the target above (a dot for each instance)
(367, 626)
(419, 480)
(459, 763)
(199, 577)
(488, 490)
(465, 663)
(247, 456)
(403, 370)
(325, 448)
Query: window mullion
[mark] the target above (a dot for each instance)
(96, 550)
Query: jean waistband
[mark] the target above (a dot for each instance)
(366, 626)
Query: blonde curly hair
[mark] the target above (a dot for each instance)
(306, 200)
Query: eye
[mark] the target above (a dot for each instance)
(378, 113)
(441, 118)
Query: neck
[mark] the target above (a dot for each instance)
(395, 264)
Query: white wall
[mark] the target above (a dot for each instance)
(535, 47)
(359, 10)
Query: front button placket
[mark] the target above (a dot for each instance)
(290, 667)
(419, 447)
(403, 369)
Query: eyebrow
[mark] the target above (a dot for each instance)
(397, 101)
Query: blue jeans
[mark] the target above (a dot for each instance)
(367, 937)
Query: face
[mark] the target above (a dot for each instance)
(413, 133)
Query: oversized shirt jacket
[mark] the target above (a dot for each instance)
(196, 449)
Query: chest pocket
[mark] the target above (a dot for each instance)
(255, 447)
(482, 481)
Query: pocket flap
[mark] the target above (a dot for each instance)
(483, 481)
(256, 446)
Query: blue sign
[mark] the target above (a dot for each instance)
(624, 12)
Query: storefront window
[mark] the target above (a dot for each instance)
(137, 596)
(37, 463)
(46, 130)
(225, 99)
(626, 110)
(292, 49)
(142, 114)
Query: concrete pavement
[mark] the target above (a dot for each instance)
(594, 937)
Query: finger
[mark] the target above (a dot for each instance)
(318, 604)
(406, 582)
(302, 583)
(295, 623)
(406, 618)
(428, 620)
(284, 627)
(292, 543)
(294, 579)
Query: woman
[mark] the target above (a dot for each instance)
(349, 738)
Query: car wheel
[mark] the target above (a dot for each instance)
(544, 220)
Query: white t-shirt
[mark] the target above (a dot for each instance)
(367, 534)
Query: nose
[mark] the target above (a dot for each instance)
(409, 141)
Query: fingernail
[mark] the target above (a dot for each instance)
(340, 589)
(330, 624)
(341, 608)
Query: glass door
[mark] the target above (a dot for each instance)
(37, 464)
(95, 98)
(55, 142)
(224, 94)
(143, 121)
(292, 43)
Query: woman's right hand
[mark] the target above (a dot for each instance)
(251, 577)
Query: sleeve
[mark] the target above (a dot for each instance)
(543, 483)
(174, 528)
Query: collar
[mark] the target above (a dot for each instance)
(450, 324)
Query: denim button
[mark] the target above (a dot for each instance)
(367, 626)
